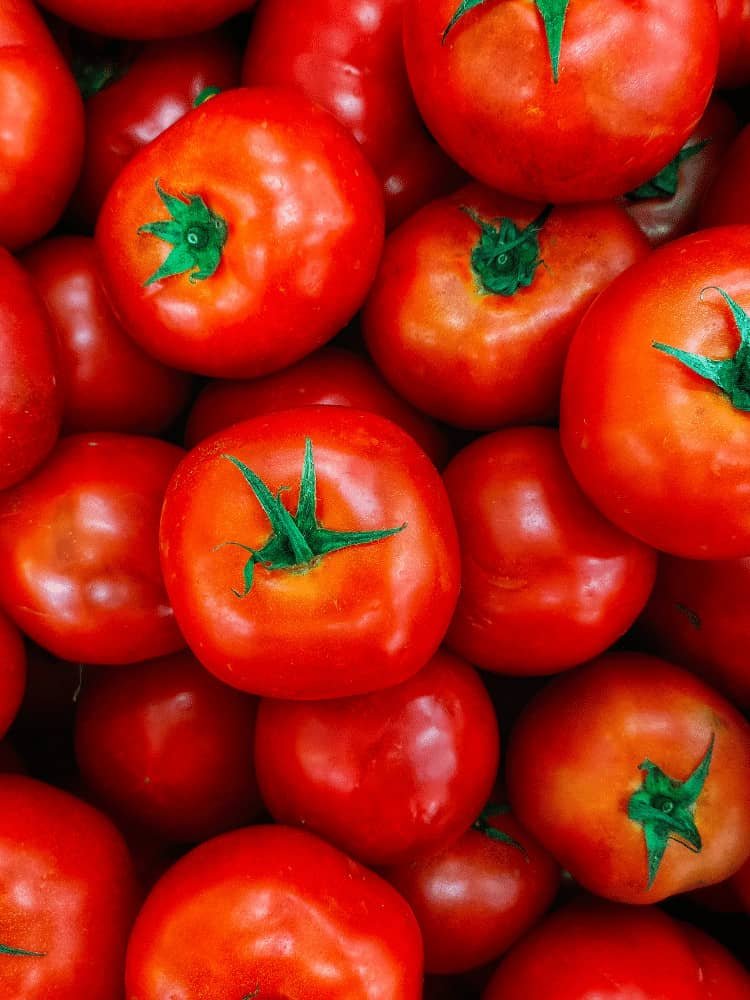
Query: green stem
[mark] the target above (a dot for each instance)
(20, 953)
(506, 257)
(664, 184)
(483, 824)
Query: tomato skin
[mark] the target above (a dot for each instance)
(69, 892)
(157, 90)
(406, 770)
(41, 127)
(488, 95)
(30, 402)
(108, 383)
(591, 948)
(79, 549)
(728, 199)
(547, 582)
(12, 672)
(330, 376)
(144, 19)
(677, 436)
(660, 713)
(358, 620)
(288, 279)
(721, 975)
(474, 899)
(734, 43)
(277, 910)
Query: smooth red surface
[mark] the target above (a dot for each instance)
(721, 975)
(12, 672)
(146, 18)
(728, 198)
(734, 43)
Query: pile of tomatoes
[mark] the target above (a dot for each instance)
(374, 499)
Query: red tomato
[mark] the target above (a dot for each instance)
(547, 102)
(389, 776)
(310, 553)
(157, 89)
(166, 746)
(476, 300)
(728, 198)
(273, 912)
(650, 434)
(330, 376)
(592, 949)
(146, 18)
(734, 43)
(349, 58)
(721, 976)
(69, 896)
(243, 237)
(474, 899)
(108, 382)
(12, 673)
(547, 582)
(30, 401)
(79, 550)
(41, 127)
(645, 791)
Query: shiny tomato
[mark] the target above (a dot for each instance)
(721, 976)
(546, 101)
(165, 746)
(41, 127)
(728, 199)
(644, 791)
(69, 896)
(108, 383)
(547, 582)
(12, 672)
(30, 399)
(78, 543)
(272, 912)
(655, 420)
(310, 553)
(146, 18)
(477, 298)
(388, 776)
(243, 237)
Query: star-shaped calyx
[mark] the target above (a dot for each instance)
(297, 541)
(664, 184)
(506, 256)
(664, 807)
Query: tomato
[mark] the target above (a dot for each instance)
(273, 912)
(547, 582)
(310, 553)
(549, 103)
(667, 206)
(69, 896)
(243, 237)
(78, 544)
(330, 376)
(591, 949)
(728, 199)
(349, 58)
(474, 899)
(477, 298)
(653, 425)
(166, 746)
(146, 18)
(645, 790)
(12, 672)
(155, 90)
(734, 43)
(389, 776)
(30, 402)
(721, 975)
(41, 127)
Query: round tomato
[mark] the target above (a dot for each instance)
(728, 199)
(12, 672)
(244, 236)
(146, 18)
(645, 789)
(310, 553)
(655, 420)
(721, 975)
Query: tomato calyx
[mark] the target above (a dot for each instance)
(20, 953)
(506, 257)
(206, 94)
(664, 184)
(93, 74)
(298, 542)
(731, 375)
(197, 235)
(664, 808)
(483, 825)
(552, 13)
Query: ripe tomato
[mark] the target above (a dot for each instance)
(474, 899)
(78, 544)
(654, 420)
(41, 127)
(273, 912)
(146, 18)
(108, 383)
(243, 237)
(69, 896)
(476, 300)
(12, 672)
(734, 43)
(310, 553)
(546, 101)
(30, 402)
(721, 976)
(547, 582)
(645, 790)
(389, 776)
(728, 199)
